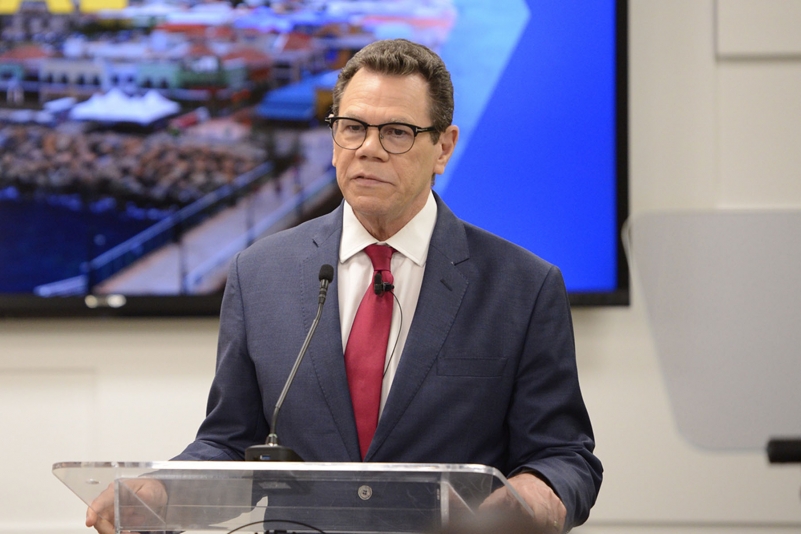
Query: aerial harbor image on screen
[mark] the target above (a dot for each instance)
(143, 144)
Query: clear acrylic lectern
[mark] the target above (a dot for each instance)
(284, 496)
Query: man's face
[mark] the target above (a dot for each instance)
(387, 190)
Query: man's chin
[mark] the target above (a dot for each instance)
(369, 206)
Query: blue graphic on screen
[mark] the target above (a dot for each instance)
(539, 165)
(477, 52)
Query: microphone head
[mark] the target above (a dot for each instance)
(326, 273)
(379, 286)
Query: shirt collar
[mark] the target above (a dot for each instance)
(412, 240)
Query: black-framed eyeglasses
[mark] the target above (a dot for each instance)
(395, 137)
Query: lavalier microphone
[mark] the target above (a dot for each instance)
(379, 286)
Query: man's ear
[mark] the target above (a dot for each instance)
(333, 146)
(447, 143)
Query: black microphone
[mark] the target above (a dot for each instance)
(379, 286)
(271, 450)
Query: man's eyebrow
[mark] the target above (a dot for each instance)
(388, 121)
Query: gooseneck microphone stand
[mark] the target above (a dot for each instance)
(271, 451)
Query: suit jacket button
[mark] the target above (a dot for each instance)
(365, 492)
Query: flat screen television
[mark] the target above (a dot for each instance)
(142, 145)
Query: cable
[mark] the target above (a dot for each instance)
(397, 338)
(263, 521)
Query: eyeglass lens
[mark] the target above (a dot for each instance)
(395, 138)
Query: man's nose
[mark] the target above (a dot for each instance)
(372, 141)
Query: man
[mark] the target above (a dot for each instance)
(477, 363)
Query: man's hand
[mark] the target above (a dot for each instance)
(549, 512)
(100, 513)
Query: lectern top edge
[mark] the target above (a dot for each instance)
(285, 466)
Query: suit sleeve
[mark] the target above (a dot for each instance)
(550, 430)
(234, 414)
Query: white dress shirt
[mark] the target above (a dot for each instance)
(355, 274)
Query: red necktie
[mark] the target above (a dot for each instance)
(367, 347)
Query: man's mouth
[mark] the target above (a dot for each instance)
(368, 179)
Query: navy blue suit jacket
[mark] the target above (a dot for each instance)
(488, 373)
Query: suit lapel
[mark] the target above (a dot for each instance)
(440, 298)
(325, 351)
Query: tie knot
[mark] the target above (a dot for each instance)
(380, 255)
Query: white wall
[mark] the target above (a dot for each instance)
(75, 390)
(712, 125)
(710, 128)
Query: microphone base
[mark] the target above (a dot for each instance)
(271, 453)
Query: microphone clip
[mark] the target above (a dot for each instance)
(379, 286)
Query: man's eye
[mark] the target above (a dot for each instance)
(398, 132)
(353, 128)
